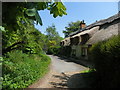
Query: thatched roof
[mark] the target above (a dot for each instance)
(77, 39)
(74, 41)
(81, 33)
(62, 43)
(105, 34)
(89, 32)
(102, 35)
(98, 23)
(66, 41)
(93, 31)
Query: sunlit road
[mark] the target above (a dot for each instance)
(60, 72)
(62, 65)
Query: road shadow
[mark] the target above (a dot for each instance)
(61, 81)
(79, 80)
(82, 80)
(64, 58)
(85, 63)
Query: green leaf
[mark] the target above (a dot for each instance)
(42, 5)
(31, 12)
(38, 18)
(57, 9)
(2, 29)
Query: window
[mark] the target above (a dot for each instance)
(73, 52)
(84, 51)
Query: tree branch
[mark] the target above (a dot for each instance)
(10, 48)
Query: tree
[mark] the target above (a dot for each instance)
(22, 44)
(51, 32)
(54, 39)
(72, 27)
(30, 10)
(18, 20)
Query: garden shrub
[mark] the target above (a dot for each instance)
(20, 70)
(65, 51)
(54, 50)
(106, 57)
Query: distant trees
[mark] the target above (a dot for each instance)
(72, 27)
(53, 39)
(51, 32)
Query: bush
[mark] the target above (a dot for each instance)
(106, 57)
(54, 50)
(65, 51)
(20, 70)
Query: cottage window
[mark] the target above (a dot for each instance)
(73, 52)
(84, 51)
(76, 40)
(62, 43)
(84, 38)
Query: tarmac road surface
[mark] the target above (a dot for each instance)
(63, 65)
(61, 71)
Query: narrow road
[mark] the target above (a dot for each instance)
(63, 65)
(60, 72)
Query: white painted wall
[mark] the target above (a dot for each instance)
(78, 51)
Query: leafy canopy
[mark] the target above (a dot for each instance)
(54, 39)
(18, 20)
(72, 27)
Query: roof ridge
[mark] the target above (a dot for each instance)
(98, 23)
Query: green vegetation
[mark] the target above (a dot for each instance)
(72, 27)
(21, 70)
(88, 71)
(54, 50)
(30, 10)
(106, 57)
(24, 47)
(1, 78)
(65, 51)
(24, 60)
(54, 40)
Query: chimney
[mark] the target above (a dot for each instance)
(82, 24)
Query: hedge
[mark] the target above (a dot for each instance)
(55, 50)
(106, 57)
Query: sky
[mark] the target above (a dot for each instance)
(87, 11)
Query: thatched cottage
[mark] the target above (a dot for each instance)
(80, 41)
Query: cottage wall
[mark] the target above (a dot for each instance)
(73, 52)
(78, 51)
